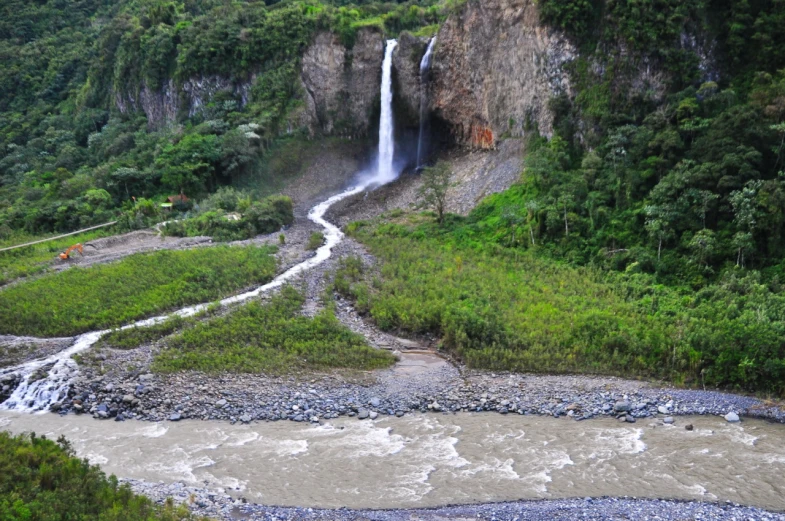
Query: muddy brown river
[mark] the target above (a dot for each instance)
(430, 460)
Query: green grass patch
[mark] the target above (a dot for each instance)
(269, 337)
(31, 260)
(79, 300)
(134, 337)
(504, 309)
(315, 240)
(43, 480)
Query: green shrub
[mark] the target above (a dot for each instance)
(261, 217)
(315, 240)
(43, 480)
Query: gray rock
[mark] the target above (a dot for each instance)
(622, 406)
(363, 414)
(128, 398)
(629, 419)
(668, 419)
(176, 417)
(663, 410)
(375, 402)
(245, 418)
(220, 403)
(732, 417)
(373, 415)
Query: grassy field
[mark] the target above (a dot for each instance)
(43, 480)
(35, 259)
(110, 295)
(269, 337)
(504, 309)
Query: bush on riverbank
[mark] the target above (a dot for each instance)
(79, 300)
(270, 337)
(43, 481)
(254, 218)
(502, 309)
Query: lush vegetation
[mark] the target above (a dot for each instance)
(315, 240)
(41, 480)
(501, 308)
(75, 147)
(270, 337)
(133, 337)
(78, 300)
(670, 159)
(229, 215)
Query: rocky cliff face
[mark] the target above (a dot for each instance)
(163, 106)
(494, 69)
(339, 89)
(342, 85)
(406, 79)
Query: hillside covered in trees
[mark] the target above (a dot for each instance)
(69, 157)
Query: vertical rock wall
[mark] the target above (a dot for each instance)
(494, 69)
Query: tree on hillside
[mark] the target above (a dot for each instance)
(433, 192)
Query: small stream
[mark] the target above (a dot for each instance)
(430, 460)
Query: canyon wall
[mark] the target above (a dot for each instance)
(494, 69)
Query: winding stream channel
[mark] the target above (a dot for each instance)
(38, 395)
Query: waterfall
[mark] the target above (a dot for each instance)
(384, 169)
(425, 68)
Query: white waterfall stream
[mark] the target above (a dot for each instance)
(385, 171)
(37, 394)
(425, 67)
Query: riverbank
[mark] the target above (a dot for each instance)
(225, 507)
(118, 384)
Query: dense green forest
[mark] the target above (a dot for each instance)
(670, 158)
(69, 158)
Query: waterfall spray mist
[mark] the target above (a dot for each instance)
(425, 67)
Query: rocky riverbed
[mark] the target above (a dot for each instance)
(224, 506)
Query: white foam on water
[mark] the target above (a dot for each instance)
(617, 441)
(285, 447)
(154, 431)
(499, 469)
(737, 435)
(96, 459)
(366, 439)
(242, 438)
(179, 465)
